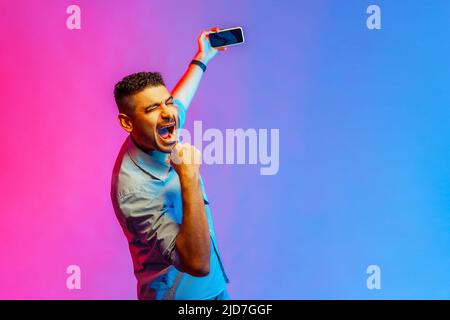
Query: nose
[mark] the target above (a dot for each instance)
(167, 113)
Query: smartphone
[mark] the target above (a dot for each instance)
(226, 37)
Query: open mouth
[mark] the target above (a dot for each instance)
(166, 131)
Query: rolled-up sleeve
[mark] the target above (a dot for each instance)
(151, 223)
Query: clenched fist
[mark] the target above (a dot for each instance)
(186, 160)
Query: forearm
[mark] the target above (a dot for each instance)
(187, 86)
(193, 243)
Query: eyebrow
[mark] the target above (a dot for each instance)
(158, 103)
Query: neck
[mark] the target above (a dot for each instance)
(158, 155)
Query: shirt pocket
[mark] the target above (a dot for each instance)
(174, 213)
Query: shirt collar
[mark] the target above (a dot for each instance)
(151, 162)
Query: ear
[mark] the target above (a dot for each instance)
(125, 122)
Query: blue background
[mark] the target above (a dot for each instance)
(364, 176)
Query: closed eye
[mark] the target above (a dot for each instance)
(169, 101)
(150, 109)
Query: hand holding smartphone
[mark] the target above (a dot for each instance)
(226, 37)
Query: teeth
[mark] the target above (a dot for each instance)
(168, 125)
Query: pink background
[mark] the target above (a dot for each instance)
(364, 148)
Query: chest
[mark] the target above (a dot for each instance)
(171, 198)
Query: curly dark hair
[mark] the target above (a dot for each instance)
(132, 84)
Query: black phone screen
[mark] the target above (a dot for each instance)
(226, 38)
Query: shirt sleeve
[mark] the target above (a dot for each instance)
(181, 113)
(152, 223)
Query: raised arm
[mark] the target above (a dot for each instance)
(186, 87)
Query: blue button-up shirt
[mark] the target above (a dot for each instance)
(146, 196)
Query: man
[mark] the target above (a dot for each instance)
(157, 192)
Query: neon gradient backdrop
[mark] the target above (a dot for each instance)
(364, 151)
